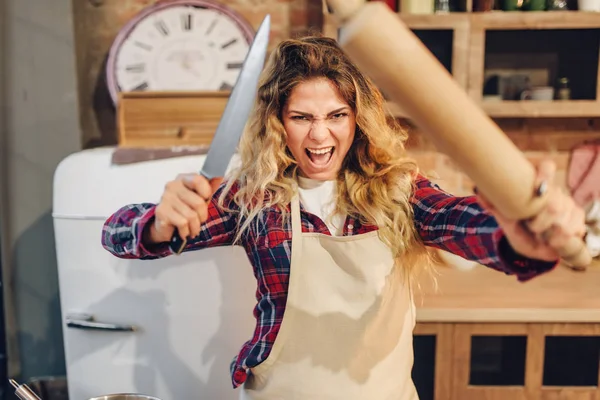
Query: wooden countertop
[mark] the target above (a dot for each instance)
(485, 295)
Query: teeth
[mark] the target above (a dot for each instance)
(321, 151)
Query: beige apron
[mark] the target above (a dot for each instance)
(347, 328)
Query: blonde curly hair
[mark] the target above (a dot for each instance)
(376, 180)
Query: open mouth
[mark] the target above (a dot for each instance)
(320, 157)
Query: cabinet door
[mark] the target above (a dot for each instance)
(433, 360)
(526, 361)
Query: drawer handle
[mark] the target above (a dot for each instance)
(87, 322)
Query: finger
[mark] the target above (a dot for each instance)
(578, 221)
(569, 224)
(551, 214)
(170, 216)
(192, 222)
(574, 222)
(190, 197)
(195, 202)
(557, 238)
(546, 171)
(198, 184)
(215, 183)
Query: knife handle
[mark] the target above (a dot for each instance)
(177, 244)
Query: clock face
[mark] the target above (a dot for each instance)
(180, 45)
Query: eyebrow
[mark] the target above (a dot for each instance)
(345, 108)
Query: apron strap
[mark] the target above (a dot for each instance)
(296, 220)
(296, 235)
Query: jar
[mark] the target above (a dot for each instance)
(564, 91)
(442, 6)
(483, 5)
(557, 5)
(418, 6)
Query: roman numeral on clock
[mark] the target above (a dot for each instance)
(140, 87)
(211, 26)
(227, 44)
(136, 68)
(235, 65)
(162, 27)
(186, 21)
(144, 46)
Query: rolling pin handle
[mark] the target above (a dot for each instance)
(343, 10)
(575, 252)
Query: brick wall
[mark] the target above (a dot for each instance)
(97, 22)
(288, 17)
(538, 138)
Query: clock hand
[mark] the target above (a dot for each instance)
(195, 73)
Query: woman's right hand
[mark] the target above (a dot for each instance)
(183, 206)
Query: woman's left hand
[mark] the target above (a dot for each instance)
(540, 237)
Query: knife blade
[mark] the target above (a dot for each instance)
(235, 115)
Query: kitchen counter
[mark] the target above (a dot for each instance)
(485, 295)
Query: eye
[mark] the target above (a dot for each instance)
(299, 117)
(339, 115)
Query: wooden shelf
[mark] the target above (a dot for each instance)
(543, 109)
(435, 21)
(536, 19)
(473, 35)
(505, 20)
(525, 109)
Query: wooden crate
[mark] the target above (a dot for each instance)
(168, 119)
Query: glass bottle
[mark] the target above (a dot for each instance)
(564, 91)
(557, 5)
(442, 6)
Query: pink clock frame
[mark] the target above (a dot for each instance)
(125, 31)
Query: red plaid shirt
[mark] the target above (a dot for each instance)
(456, 224)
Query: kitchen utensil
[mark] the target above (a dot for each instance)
(23, 391)
(383, 46)
(541, 93)
(234, 117)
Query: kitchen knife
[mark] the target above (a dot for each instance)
(235, 115)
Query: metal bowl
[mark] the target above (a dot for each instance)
(124, 396)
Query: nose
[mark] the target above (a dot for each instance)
(318, 131)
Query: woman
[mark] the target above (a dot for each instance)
(325, 191)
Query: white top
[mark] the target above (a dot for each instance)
(318, 198)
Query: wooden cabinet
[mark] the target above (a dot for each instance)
(541, 45)
(484, 336)
(499, 361)
(545, 46)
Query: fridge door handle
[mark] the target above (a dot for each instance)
(87, 322)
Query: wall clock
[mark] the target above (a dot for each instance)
(179, 45)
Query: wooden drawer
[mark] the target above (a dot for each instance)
(168, 119)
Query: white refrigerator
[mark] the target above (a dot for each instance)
(166, 328)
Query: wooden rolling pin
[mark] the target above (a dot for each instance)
(388, 51)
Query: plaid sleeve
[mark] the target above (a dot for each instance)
(461, 226)
(122, 231)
